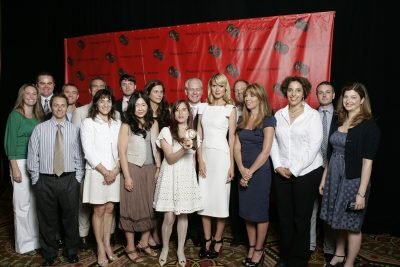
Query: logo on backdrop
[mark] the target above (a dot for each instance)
(123, 39)
(158, 54)
(110, 57)
(302, 68)
(232, 70)
(281, 47)
(301, 24)
(81, 44)
(214, 51)
(233, 30)
(174, 72)
(79, 75)
(174, 35)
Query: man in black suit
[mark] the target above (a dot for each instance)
(194, 92)
(127, 84)
(325, 95)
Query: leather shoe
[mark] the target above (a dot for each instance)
(72, 258)
(280, 264)
(84, 245)
(48, 262)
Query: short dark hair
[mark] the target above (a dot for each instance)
(305, 83)
(127, 77)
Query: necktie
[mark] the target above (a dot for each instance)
(324, 144)
(46, 106)
(58, 161)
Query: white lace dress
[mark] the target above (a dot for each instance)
(177, 189)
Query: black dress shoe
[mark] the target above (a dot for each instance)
(48, 262)
(84, 245)
(156, 247)
(280, 264)
(71, 258)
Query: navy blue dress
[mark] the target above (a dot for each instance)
(254, 199)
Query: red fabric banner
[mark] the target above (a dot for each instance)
(262, 50)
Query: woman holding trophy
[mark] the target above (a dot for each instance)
(177, 191)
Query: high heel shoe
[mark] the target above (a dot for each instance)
(338, 264)
(213, 253)
(247, 259)
(261, 260)
(134, 259)
(182, 259)
(162, 260)
(204, 252)
(102, 263)
(146, 249)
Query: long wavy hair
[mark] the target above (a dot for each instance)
(264, 107)
(136, 126)
(222, 80)
(37, 111)
(102, 94)
(174, 126)
(162, 113)
(365, 108)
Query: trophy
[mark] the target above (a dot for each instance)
(191, 139)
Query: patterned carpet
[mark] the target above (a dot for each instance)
(377, 250)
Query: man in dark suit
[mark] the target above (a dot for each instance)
(194, 92)
(127, 84)
(325, 95)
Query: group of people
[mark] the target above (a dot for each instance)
(182, 160)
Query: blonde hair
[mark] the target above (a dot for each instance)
(37, 111)
(222, 80)
(264, 107)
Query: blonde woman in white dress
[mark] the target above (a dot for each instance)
(216, 164)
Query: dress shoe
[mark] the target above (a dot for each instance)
(48, 262)
(30, 253)
(73, 258)
(280, 264)
(84, 245)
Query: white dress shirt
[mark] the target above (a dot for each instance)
(297, 146)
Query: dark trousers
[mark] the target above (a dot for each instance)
(53, 195)
(295, 200)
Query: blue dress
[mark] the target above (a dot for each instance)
(338, 191)
(254, 199)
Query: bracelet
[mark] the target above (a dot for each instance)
(359, 194)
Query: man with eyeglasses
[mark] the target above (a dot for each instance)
(45, 83)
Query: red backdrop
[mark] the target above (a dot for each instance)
(263, 50)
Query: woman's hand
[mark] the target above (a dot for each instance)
(157, 174)
(109, 177)
(128, 184)
(360, 202)
(202, 169)
(282, 171)
(231, 174)
(16, 175)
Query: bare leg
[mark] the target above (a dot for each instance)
(98, 229)
(218, 233)
(108, 218)
(130, 247)
(207, 230)
(182, 230)
(262, 229)
(251, 235)
(340, 247)
(353, 248)
(144, 244)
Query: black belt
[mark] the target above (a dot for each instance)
(55, 175)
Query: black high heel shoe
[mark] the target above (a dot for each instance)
(247, 259)
(204, 252)
(213, 253)
(338, 264)
(261, 261)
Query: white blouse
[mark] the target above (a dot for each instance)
(297, 146)
(100, 142)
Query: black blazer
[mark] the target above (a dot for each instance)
(118, 106)
(334, 126)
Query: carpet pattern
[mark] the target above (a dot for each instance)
(377, 250)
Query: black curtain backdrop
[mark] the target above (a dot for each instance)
(33, 34)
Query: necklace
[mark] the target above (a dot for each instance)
(293, 114)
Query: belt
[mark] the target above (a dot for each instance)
(54, 175)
